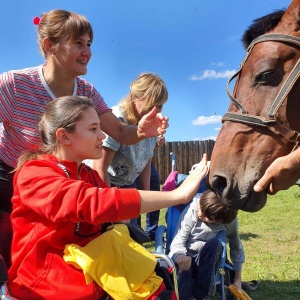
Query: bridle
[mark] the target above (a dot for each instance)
(270, 120)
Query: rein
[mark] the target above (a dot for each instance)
(270, 120)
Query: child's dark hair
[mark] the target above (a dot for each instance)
(213, 208)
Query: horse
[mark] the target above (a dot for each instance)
(262, 121)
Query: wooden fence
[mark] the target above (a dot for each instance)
(186, 154)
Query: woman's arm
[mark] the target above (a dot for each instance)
(152, 124)
(101, 165)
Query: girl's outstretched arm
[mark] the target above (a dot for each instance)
(154, 200)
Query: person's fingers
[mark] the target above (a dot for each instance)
(202, 165)
(262, 184)
(258, 187)
(151, 114)
(164, 121)
(271, 190)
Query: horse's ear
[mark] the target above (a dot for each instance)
(290, 21)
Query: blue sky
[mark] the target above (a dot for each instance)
(193, 45)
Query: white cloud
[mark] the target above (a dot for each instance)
(207, 120)
(217, 129)
(212, 137)
(212, 74)
(218, 64)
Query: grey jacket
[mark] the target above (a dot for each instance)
(191, 234)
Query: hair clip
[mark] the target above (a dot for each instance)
(36, 21)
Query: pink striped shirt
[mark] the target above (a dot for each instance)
(23, 97)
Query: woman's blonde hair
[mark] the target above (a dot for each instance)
(148, 86)
(58, 23)
(63, 112)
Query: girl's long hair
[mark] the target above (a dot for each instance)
(147, 87)
(63, 112)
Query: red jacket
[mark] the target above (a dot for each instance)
(47, 206)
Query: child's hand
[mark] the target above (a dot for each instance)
(190, 185)
(184, 262)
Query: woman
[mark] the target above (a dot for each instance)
(121, 164)
(64, 39)
(58, 200)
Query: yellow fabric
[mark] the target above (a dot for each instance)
(122, 267)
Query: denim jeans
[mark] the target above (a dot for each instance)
(198, 281)
(152, 218)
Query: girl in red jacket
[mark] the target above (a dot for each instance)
(58, 200)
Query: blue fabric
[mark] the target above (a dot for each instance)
(173, 212)
(202, 188)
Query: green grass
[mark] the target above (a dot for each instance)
(271, 238)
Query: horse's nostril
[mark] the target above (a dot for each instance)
(219, 184)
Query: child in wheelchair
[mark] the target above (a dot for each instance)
(196, 248)
(58, 200)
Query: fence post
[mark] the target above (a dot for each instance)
(186, 154)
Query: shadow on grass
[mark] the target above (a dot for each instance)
(267, 289)
(276, 290)
(248, 236)
(273, 290)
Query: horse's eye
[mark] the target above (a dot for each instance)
(263, 78)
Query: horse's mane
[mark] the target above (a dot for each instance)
(261, 26)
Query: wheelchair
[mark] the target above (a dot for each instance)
(165, 234)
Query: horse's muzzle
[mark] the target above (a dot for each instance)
(232, 197)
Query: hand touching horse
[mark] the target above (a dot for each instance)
(262, 122)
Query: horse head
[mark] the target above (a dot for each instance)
(262, 120)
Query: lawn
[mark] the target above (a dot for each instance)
(271, 239)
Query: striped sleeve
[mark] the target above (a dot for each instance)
(86, 89)
(7, 95)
